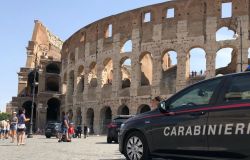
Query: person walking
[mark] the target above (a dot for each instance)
(64, 128)
(4, 128)
(13, 127)
(85, 130)
(7, 133)
(21, 126)
(1, 130)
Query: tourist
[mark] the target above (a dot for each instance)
(21, 126)
(4, 127)
(85, 130)
(1, 129)
(7, 132)
(13, 127)
(79, 131)
(71, 130)
(64, 128)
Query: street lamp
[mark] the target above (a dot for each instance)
(44, 49)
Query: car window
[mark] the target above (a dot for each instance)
(239, 89)
(199, 94)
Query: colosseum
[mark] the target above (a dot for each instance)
(117, 64)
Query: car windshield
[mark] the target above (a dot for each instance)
(51, 125)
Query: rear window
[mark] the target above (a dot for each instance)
(239, 89)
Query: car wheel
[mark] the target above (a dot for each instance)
(135, 147)
(109, 140)
(48, 136)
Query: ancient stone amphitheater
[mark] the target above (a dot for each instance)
(117, 64)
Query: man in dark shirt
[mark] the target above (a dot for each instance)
(85, 130)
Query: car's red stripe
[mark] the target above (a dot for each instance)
(232, 106)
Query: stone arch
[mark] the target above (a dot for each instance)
(226, 60)
(123, 110)
(146, 68)
(53, 109)
(28, 108)
(30, 83)
(127, 47)
(197, 54)
(169, 71)
(143, 108)
(52, 83)
(64, 86)
(107, 73)
(78, 116)
(92, 76)
(71, 84)
(105, 118)
(125, 65)
(80, 79)
(225, 33)
(53, 68)
(90, 120)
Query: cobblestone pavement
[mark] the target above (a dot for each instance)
(41, 148)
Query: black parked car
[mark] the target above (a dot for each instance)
(114, 127)
(52, 129)
(210, 119)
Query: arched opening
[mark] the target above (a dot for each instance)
(72, 58)
(106, 118)
(52, 84)
(123, 110)
(53, 68)
(90, 120)
(80, 79)
(126, 72)
(71, 115)
(53, 110)
(197, 69)
(64, 86)
(92, 78)
(169, 71)
(107, 73)
(71, 83)
(127, 47)
(28, 107)
(224, 33)
(226, 61)
(143, 108)
(146, 69)
(31, 84)
(78, 116)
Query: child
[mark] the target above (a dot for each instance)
(71, 130)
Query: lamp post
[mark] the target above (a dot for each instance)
(43, 48)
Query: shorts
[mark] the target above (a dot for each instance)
(21, 129)
(64, 130)
(3, 131)
(13, 127)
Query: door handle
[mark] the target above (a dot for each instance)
(147, 122)
(198, 113)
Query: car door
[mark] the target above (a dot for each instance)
(179, 129)
(229, 121)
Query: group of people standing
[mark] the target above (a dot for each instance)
(14, 127)
(68, 130)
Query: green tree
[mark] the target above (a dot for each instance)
(4, 116)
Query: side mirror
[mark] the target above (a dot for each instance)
(163, 107)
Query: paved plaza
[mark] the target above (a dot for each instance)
(40, 148)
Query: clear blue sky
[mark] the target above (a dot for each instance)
(62, 18)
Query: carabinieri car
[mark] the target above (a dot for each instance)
(210, 119)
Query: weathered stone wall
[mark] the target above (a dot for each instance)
(194, 24)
